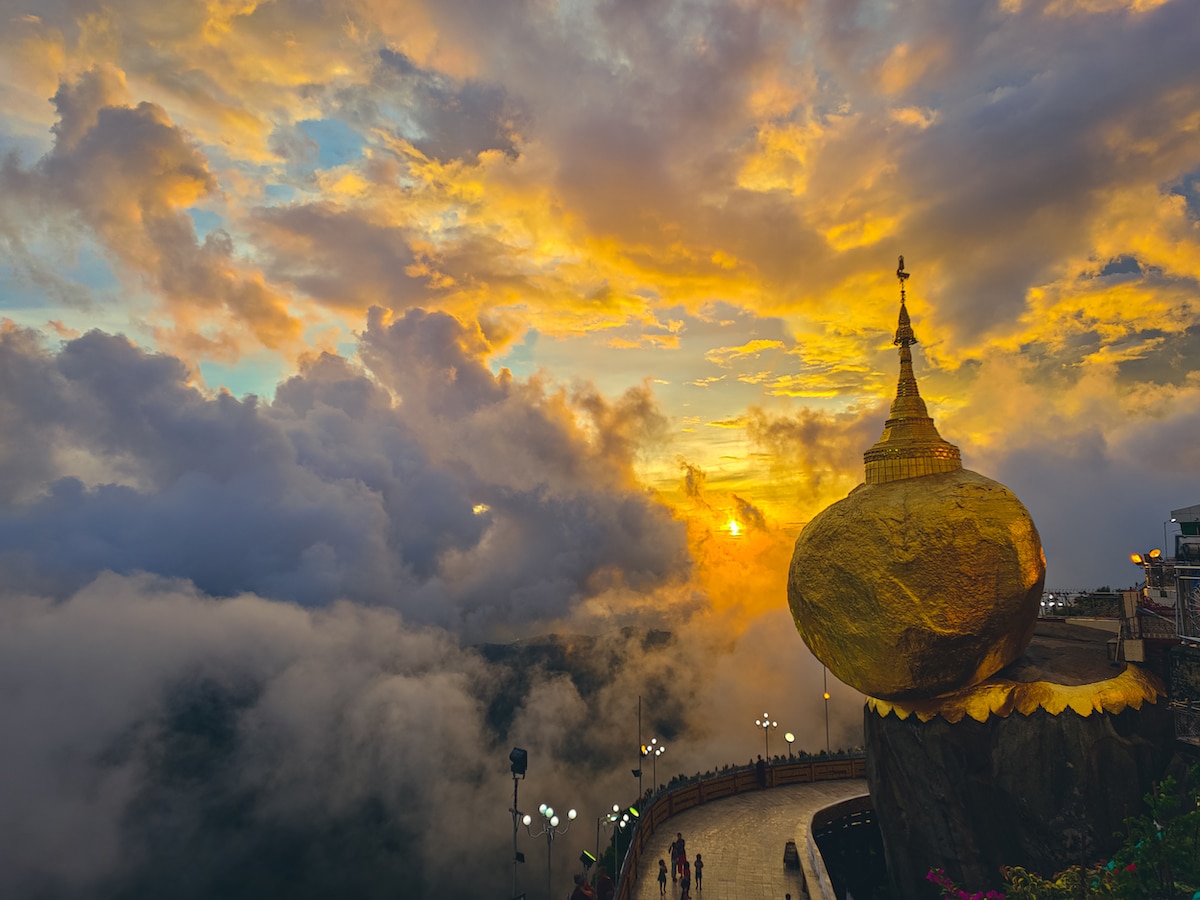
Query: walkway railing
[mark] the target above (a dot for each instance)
(726, 784)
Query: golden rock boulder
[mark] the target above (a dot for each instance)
(920, 586)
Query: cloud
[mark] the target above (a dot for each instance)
(748, 514)
(724, 356)
(249, 620)
(171, 708)
(260, 747)
(817, 455)
(352, 483)
(127, 174)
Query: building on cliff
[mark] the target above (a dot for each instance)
(1160, 620)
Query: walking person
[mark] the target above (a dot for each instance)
(662, 878)
(685, 882)
(699, 867)
(680, 855)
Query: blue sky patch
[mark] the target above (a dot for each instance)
(337, 143)
(519, 358)
(204, 221)
(247, 376)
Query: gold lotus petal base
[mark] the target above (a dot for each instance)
(1001, 697)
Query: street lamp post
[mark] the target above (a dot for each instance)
(766, 725)
(610, 820)
(519, 759)
(825, 694)
(654, 750)
(550, 829)
(1152, 563)
(1166, 540)
(789, 737)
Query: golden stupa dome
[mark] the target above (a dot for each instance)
(927, 578)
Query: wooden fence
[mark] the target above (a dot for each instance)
(726, 784)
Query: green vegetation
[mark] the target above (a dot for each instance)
(1160, 859)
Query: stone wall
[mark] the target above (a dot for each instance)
(1040, 791)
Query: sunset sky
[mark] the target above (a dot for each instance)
(566, 315)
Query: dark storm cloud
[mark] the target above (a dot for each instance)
(468, 500)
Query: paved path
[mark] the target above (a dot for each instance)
(741, 839)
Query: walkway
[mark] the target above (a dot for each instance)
(742, 839)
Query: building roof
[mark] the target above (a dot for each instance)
(1187, 514)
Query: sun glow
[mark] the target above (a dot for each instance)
(734, 528)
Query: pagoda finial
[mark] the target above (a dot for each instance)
(904, 332)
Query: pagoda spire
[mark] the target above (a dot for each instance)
(910, 445)
(905, 338)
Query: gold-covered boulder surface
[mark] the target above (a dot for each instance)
(919, 586)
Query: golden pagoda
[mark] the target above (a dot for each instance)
(928, 577)
(910, 445)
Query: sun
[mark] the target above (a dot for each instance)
(734, 528)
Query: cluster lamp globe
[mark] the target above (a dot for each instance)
(550, 829)
(655, 749)
(766, 725)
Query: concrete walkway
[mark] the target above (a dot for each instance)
(742, 839)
